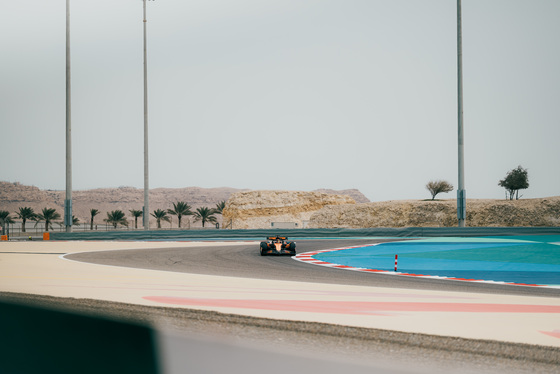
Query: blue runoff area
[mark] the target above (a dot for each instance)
(515, 259)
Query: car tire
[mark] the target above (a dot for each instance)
(264, 247)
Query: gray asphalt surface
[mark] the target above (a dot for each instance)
(245, 261)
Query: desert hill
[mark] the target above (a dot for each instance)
(544, 212)
(315, 209)
(16, 195)
(265, 209)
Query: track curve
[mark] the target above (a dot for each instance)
(245, 261)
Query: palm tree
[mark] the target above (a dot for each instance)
(136, 214)
(160, 215)
(24, 214)
(75, 222)
(92, 213)
(48, 215)
(220, 207)
(116, 217)
(180, 209)
(5, 218)
(205, 214)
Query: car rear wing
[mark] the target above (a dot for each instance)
(277, 238)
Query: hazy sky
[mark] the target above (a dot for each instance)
(283, 94)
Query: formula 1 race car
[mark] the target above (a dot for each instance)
(277, 246)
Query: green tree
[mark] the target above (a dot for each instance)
(5, 218)
(220, 207)
(180, 209)
(116, 217)
(439, 186)
(92, 214)
(517, 179)
(75, 222)
(136, 214)
(48, 215)
(25, 213)
(205, 214)
(160, 215)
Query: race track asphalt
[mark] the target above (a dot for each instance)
(245, 261)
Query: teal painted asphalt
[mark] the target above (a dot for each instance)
(514, 259)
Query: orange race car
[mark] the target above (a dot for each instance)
(277, 246)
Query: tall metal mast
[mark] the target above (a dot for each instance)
(68, 199)
(146, 209)
(461, 193)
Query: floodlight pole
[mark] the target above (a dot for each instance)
(146, 209)
(461, 193)
(68, 200)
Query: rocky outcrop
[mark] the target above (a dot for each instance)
(355, 194)
(261, 209)
(441, 213)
